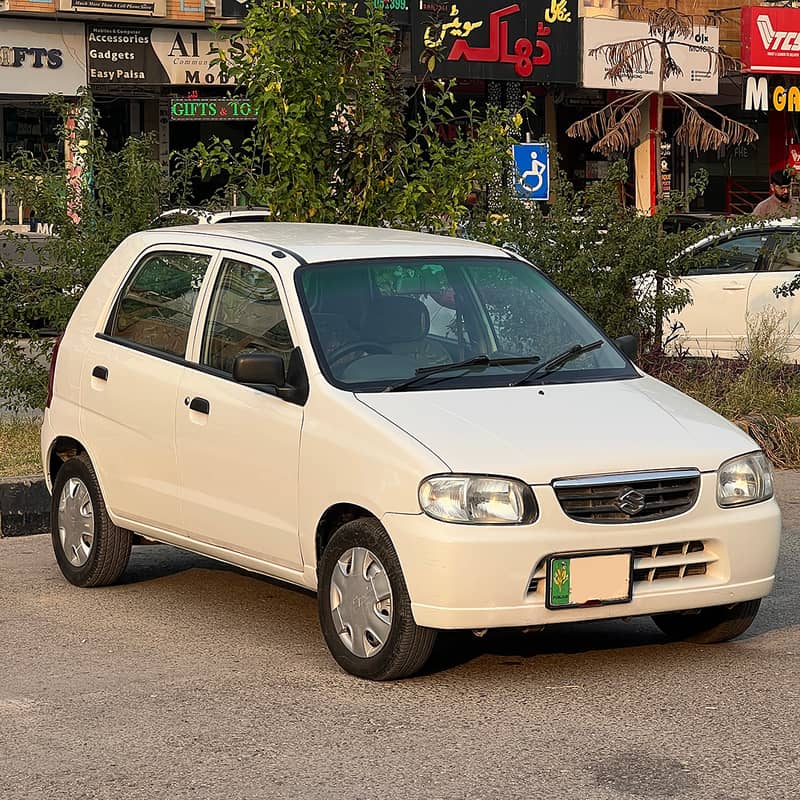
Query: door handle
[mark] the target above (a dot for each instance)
(101, 373)
(199, 404)
(734, 286)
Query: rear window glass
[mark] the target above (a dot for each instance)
(156, 305)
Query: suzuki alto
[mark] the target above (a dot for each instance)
(423, 430)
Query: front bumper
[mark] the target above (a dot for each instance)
(480, 576)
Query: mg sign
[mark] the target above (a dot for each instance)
(759, 95)
(771, 39)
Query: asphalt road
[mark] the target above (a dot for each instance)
(191, 680)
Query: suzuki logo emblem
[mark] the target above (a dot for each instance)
(629, 501)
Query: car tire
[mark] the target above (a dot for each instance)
(89, 548)
(377, 639)
(709, 625)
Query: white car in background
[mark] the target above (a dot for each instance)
(743, 268)
(201, 216)
(275, 396)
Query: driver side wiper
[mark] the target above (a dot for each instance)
(482, 360)
(555, 363)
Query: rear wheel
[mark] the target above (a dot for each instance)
(364, 607)
(89, 548)
(709, 625)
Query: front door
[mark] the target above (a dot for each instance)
(773, 319)
(715, 322)
(238, 447)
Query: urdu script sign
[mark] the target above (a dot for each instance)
(529, 40)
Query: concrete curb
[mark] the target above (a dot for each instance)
(24, 506)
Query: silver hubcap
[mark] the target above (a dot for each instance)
(361, 602)
(76, 522)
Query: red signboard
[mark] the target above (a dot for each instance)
(771, 39)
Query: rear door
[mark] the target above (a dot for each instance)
(130, 381)
(715, 320)
(770, 315)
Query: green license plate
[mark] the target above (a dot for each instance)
(579, 580)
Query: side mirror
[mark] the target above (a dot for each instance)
(629, 345)
(265, 369)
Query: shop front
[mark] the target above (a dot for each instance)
(148, 77)
(37, 58)
(498, 51)
(695, 76)
(770, 94)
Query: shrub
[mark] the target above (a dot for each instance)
(92, 204)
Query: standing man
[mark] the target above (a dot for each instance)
(778, 204)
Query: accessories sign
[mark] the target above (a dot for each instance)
(155, 56)
(771, 39)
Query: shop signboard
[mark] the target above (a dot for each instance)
(122, 54)
(771, 40)
(778, 94)
(130, 8)
(188, 55)
(210, 109)
(133, 55)
(41, 58)
(496, 40)
(698, 66)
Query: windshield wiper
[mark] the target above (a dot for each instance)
(555, 363)
(478, 361)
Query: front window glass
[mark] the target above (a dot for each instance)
(377, 323)
(246, 316)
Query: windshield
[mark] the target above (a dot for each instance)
(377, 324)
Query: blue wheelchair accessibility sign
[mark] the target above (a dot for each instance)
(532, 166)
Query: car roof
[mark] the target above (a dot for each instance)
(316, 242)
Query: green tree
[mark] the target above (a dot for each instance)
(338, 136)
(92, 202)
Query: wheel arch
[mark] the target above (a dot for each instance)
(332, 519)
(62, 448)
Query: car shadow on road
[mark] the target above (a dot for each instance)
(453, 649)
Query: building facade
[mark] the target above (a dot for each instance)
(150, 67)
(139, 58)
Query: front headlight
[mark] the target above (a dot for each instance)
(744, 479)
(477, 499)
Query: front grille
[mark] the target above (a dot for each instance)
(631, 497)
(651, 563)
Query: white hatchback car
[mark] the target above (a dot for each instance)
(422, 429)
(736, 281)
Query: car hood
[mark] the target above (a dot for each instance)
(541, 432)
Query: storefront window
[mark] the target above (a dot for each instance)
(30, 128)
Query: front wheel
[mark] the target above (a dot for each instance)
(709, 625)
(364, 607)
